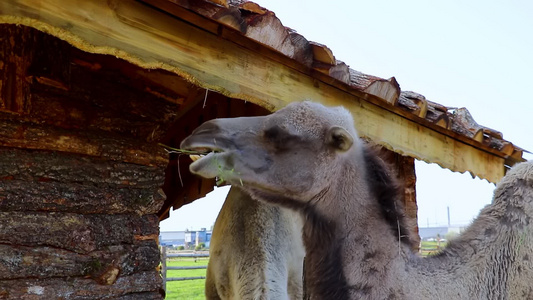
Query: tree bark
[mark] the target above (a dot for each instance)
(129, 287)
(80, 171)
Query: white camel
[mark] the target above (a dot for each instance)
(256, 251)
(308, 157)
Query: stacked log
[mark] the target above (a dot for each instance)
(80, 172)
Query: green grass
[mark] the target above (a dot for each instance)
(194, 289)
(431, 248)
(187, 289)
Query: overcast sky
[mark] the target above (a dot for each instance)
(474, 54)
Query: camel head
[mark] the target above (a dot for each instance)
(293, 153)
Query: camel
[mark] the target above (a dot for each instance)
(309, 158)
(256, 251)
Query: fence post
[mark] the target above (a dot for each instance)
(164, 266)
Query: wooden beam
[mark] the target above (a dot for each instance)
(221, 59)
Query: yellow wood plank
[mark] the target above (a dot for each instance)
(152, 39)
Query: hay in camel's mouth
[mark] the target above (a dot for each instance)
(207, 159)
(195, 154)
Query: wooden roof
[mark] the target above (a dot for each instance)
(243, 51)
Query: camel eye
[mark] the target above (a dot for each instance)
(272, 133)
(277, 136)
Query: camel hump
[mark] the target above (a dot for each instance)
(522, 171)
(514, 193)
(518, 181)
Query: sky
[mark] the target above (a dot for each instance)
(473, 54)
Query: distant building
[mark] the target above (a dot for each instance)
(172, 238)
(185, 238)
(432, 232)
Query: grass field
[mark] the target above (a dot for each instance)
(188, 289)
(431, 248)
(194, 289)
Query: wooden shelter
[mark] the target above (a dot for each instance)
(89, 88)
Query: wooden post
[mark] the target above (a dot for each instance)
(164, 266)
(404, 169)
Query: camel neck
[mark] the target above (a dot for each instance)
(323, 271)
(344, 258)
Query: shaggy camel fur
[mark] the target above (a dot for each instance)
(256, 251)
(308, 157)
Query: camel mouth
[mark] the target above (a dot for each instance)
(196, 154)
(209, 156)
(197, 158)
(201, 155)
(202, 150)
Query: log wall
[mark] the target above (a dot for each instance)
(404, 170)
(80, 173)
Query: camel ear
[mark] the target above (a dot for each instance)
(339, 138)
